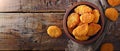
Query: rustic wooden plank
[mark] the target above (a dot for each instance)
(9, 47)
(6, 36)
(29, 22)
(11, 21)
(9, 42)
(19, 23)
(31, 27)
(25, 5)
(34, 5)
(45, 5)
(9, 5)
(48, 43)
(43, 41)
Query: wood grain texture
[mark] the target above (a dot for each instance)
(9, 5)
(27, 31)
(113, 35)
(48, 5)
(9, 42)
(51, 4)
(34, 5)
(29, 22)
(31, 27)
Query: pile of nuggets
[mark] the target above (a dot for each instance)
(83, 22)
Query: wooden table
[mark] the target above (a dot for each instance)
(23, 25)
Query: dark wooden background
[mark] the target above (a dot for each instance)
(23, 24)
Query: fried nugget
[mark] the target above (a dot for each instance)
(111, 13)
(73, 20)
(114, 2)
(96, 14)
(80, 30)
(83, 9)
(54, 31)
(107, 47)
(82, 38)
(93, 28)
(87, 18)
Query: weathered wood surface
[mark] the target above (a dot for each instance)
(43, 5)
(34, 5)
(9, 42)
(29, 22)
(31, 29)
(28, 30)
(9, 5)
(113, 35)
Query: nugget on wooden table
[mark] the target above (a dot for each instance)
(114, 2)
(111, 13)
(107, 47)
(54, 31)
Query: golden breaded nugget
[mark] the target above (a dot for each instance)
(107, 47)
(93, 28)
(83, 9)
(82, 38)
(87, 18)
(54, 31)
(80, 30)
(73, 20)
(114, 2)
(96, 14)
(111, 13)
